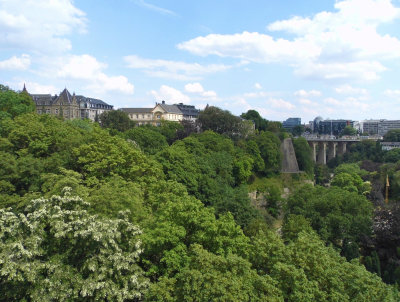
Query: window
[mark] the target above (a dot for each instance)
(48, 111)
(39, 111)
(142, 115)
(158, 116)
(137, 115)
(148, 115)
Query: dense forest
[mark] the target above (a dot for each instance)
(112, 212)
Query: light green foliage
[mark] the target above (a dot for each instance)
(57, 251)
(180, 166)
(348, 177)
(106, 156)
(148, 139)
(13, 104)
(349, 130)
(336, 214)
(330, 277)
(350, 168)
(303, 155)
(180, 222)
(346, 181)
(209, 277)
(294, 225)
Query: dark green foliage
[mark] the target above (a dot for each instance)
(392, 156)
(321, 174)
(116, 120)
(269, 146)
(392, 136)
(222, 122)
(297, 130)
(259, 122)
(170, 130)
(364, 150)
(303, 155)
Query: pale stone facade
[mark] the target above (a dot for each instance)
(154, 116)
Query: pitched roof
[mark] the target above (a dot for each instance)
(170, 108)
(82, 98)
(65, 95)
(136, 110)
(42, 99)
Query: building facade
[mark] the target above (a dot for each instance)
(332, 127)
(69, 106)
(379, 127)
(162, 112)
(291, 122)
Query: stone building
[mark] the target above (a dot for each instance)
(161, 112)
(69, 106)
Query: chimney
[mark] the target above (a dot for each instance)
(163, 102)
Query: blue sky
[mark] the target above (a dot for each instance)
(336, 59)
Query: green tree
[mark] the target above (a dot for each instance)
(349, 130)
(269, 146)
(148, 138)
(116, 120)
(303, 155)
(13, 104)
(392, 156)
(57, 251)
(259, 122)
(392, 136)
(220, 121)
(170, 130)
(210, 277)
(297, 130)
(337, 215)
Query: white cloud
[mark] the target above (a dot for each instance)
(347, 89)
(392, 93)
(39, 25)
(170, 95)
(305, 94)
(339, 45)
(306, 102)
(194, 88)
(197, 88)
(257, 86)
(16, 63)
(280, 104)
(176, 70)
(155, 8)
(34, 87)
(253, 47)
(87, 68)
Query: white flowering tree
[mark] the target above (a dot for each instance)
(57, 251)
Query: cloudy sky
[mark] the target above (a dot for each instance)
(336, 59)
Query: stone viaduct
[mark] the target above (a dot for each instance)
(325, 148)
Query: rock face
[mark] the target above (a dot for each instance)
(289, 162)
